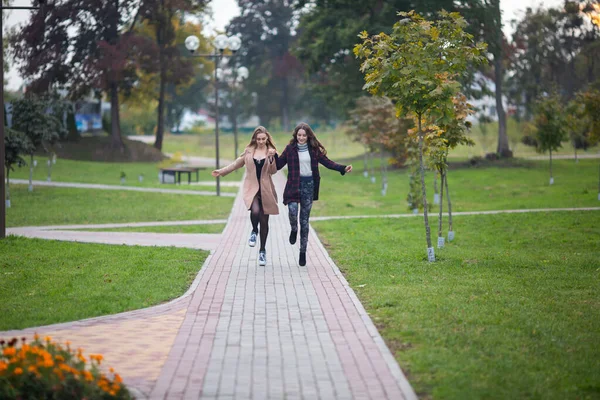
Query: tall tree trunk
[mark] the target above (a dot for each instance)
(430, 251)
(113, 86)
(115, 123)
(160, 127)
(503, 149)
(440, 236)
(285, 104)
(450, 230)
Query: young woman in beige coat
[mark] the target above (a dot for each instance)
(260, 196)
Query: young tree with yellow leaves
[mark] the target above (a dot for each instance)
(418, 66)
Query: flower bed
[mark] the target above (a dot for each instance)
(44, 369)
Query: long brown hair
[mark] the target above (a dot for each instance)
(262, 129)
(312, 140)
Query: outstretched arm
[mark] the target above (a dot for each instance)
(326, 162)
(230, 168)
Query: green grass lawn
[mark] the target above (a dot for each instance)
(202, 228)
(471, 189)
(339, 145)
(110, 174)
(44, 282)
(65, 206)
(510, 310)
(336, 142)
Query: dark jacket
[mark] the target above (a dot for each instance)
(290, 157)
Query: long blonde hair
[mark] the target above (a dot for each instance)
(261, 129)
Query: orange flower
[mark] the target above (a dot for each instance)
(3, 366)
(48, 339)
(9, 351)
(118, 378)
(36, 337)
(18, 371)
(88, 376)
(48, 363)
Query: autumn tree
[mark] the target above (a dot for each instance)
(418, 66)
(167, 58)
(373, 122)
(80, 45)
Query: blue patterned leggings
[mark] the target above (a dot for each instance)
(306, 200)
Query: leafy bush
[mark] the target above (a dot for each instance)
(47, 370)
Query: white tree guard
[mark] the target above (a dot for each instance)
(430, 254)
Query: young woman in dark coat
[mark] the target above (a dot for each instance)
(302, 156)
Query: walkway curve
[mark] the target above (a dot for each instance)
(118, 187)
(248, 332)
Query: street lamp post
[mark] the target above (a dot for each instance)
(220, 43)
(2, 150)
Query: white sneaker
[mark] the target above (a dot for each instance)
(262, 258)
(252, 240)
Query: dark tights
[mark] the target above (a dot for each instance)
(257, 215)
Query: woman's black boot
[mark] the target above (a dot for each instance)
(302, 258)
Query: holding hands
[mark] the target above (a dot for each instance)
(215, 173)
(271, 152)
(348, 168)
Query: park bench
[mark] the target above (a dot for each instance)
(176, 172)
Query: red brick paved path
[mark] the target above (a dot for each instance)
(248, 332)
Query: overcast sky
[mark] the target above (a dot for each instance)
(225, 10)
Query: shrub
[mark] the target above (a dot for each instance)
(47, 370)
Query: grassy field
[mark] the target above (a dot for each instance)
(62, 206)
(44, 282)
(521, 184)
(486, 140)
(510, 310)
(202, 228)
(336, 142)
(110, 174)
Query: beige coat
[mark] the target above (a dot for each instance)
(250, 188)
